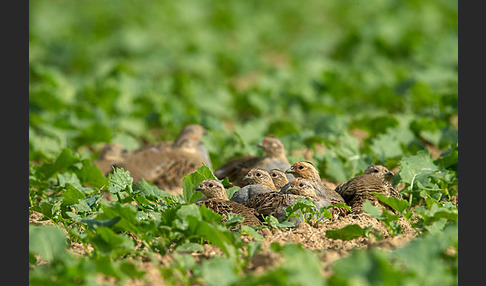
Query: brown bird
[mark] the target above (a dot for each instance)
(259, 182)
(216, 199)
(195, 130)
(166, 167)
(359, 189)
(236, 169)
(275, 203)
(110, 154)
(279, 178)
(307, 170)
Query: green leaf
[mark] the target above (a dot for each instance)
(103, 223)
(190, 247)
(417, 167)
(131, 270)
(120, 180)
(385, 146)
(127, 213)
(90, 174)
(394, 203)
(191, 181)
(64, 160)
(449, 158)
(47, 241)
(348, 232)
(72, 195)
(231, 191)
(245, 229)
(372, 210)
(149, 190)
(219, 271)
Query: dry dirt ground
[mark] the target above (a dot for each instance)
(310, 237)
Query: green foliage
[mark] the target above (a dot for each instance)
(382, 88)
(431, 260)
(348, 232)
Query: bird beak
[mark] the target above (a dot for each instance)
(260, 145)
(198, 188)
(246, 177)
(290, 170)
(292, 190)
(389, 174)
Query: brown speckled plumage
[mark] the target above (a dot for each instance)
(166, 165)
(279, 178)
(359, 189)
(259, 182)
(307, 170)
(216, 199)
(274, 203)
(236, 169)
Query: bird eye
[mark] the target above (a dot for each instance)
(301, 185)
(301, 167)
(211, 185)
(258, 174)
(376, 170)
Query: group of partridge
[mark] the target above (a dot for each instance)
(268, 184)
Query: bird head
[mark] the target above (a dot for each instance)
(302, 187)
(212, 189)
(304, 169)
(272, 147)
(259, 176)
(380, 171)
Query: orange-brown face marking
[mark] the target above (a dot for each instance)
(304, 169)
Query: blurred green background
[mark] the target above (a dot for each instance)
(319, 75)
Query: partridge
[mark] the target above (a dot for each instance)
(188, 131)
(166, 167)
(110, 154)
(275, 203)
(216, 200)
(236, 169)
(307, 170)
(259, 181)
(279, 178)
(359, 189)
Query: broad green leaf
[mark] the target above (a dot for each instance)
(90, 174)
(219, 271)
(372, 210)
(48, 242)
(301, 266)
(191, 181)
(335, 168)
(449, 158)
(348, 232)
(417, 167)
(127, 213)
(100, 223)
(386, 146)
(64, 160)
(190, 247)
(394, 203)
(120, 180)
(149, 190)
(245, 229)
(231, 191)
(71, 195)
(131, 270)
